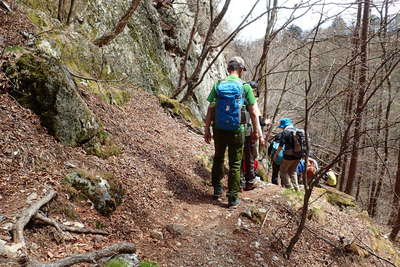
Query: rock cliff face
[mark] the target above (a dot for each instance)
(147, 53)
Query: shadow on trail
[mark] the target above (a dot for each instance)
(183, 186)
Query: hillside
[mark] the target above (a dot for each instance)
(93, 153)
(165, 184)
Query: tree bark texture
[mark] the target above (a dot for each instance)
(362, 89)
(123, 21)
(348, 110)
(91, 257)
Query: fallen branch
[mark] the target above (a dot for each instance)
(5, 6)
(371, 251)
(61, 227)
(265, 219)
(26, 216)
(91, 257)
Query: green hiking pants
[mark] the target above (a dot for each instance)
(234, 141)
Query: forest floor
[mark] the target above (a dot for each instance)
(167, 212)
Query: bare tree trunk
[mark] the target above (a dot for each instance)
(396, 227)
(206, 49)
(375, 194)
(123, 21)
(396, 193)
(61, 4)
(350, 96)
(71, 11)
(189, 45)
(362, 88)
(262, 66)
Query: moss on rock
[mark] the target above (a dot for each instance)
(43, 85)
(180, 110)
(338, 198)
(103, 189)
(102, 146)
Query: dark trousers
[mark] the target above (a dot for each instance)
(234, 142)
(249, 158)
(275, 173)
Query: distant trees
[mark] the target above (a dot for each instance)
(294, 31)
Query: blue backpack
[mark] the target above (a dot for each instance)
(275, 146)
(230, 100)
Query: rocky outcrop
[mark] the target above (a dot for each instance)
(148, 53)
(42, 84)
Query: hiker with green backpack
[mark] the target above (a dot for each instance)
(224, 113)
(293, 140)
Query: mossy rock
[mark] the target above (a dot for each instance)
(45, 86)
(123, 260)
(102, 146)
(180, 110)
(102, 189)
(148, 264)
(337, 198)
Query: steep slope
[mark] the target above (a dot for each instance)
(167, 210)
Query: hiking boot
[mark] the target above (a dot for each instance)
(249, 186)
(233, 202)
(217, 192)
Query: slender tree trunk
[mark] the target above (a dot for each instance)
(348, 110)
(194, 78)
(119, 27)
(189, 45)
(382, 173)
(396, 227)
(61, 4)
(362, 88)
(396, 193)
(71, 11)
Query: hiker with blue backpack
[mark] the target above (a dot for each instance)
(224, 113)
(293, 140)
(250, 150)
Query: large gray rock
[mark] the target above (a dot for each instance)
(149, 51)
(106, 193)
(46, 87)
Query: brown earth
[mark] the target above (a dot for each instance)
(165, 184)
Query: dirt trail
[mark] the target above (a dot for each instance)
(166, 185)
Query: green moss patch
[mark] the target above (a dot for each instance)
(179, 110)
(102, 146)
(148, 264)
(103, 189)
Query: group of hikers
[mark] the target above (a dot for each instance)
(236, 123)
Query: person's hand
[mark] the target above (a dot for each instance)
(262, 141)
(207, 135)
(275, 157)
(255, 136)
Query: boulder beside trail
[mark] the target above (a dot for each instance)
(46, 87)
(104, 192)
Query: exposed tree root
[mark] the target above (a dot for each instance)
(61, 227)
(26, 216)
(91, 257)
